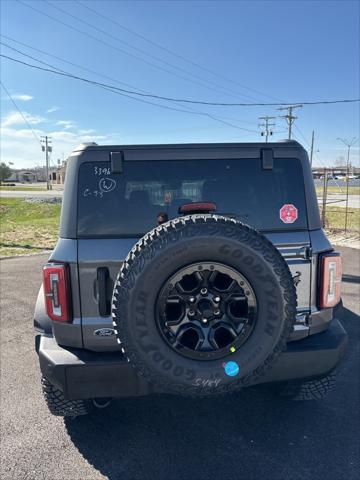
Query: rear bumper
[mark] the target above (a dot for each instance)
(84, 374)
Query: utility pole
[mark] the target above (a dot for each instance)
(47, 148)
(290, 118)
(267, 131)
(312, 148)
(349, 144)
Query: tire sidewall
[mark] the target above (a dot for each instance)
(139, 334)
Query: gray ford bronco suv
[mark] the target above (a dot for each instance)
(195, 269)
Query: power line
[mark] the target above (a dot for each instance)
(172, 99)
(348, 143)
(51, 55)
(317, 157)
(171, 52)
(113, 89)
(83, 68)
(107, 44)
(188, 110)
(309, 146)
(21, 113)
(191, 111)
(96, 84)
(303, 136)
(109, 78)
(237, 120)
(146, 53)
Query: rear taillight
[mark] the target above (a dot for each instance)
(330, 280)
(56, 290)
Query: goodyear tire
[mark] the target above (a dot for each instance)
(61, 407)
(309, 390)
(203, 305)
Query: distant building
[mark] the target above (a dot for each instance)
(318, 172)
(58, 175)
(23, 176)
(38, 174)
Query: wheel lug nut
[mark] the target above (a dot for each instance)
(204, 320)
(191, 313)
(203, 291)
(217, 312)
(192, 299)
(217, 299)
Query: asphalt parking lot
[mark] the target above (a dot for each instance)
(252, 435)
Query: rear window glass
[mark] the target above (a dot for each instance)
(128, 204)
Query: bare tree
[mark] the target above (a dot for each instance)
(340, 162)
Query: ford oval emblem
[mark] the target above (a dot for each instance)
(104, 332)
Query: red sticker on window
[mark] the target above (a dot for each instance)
(288, 213)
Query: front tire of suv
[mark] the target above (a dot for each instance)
(61, 407)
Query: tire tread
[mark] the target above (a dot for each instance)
(59, 406)
(310, 390)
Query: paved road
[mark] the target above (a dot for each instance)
(249, 436)
(338, 200)
(29, 193)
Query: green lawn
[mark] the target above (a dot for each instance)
(335, 218)
(335, 189)
(27, 227)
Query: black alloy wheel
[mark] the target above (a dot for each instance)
(206, 310)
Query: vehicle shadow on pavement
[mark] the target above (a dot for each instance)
(253, 434)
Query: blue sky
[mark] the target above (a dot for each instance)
(242, 51)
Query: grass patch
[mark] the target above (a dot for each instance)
(335, 219)
(337, 190)
(27, 227)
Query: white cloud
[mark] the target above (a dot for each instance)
(15, 118)
(87, 132)
(20, 147)
(74, 138)
(67, 124)
(19, 134)
(23, 97)
(53, 109)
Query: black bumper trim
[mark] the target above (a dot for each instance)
(84, 374)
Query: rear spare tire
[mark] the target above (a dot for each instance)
(203, 304)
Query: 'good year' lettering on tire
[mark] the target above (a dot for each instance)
(268, 282)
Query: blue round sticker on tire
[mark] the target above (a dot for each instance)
(231, 369)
